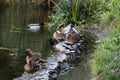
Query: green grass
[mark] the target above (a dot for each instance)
(106, 59)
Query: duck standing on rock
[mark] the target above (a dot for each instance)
(33, 63)
(35, 27)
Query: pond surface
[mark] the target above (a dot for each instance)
(15, 38)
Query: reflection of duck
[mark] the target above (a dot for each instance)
(33, 63)
(35, 27)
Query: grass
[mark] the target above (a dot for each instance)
(106, 59)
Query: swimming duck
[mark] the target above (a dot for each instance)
(35, 27)
(33, 63)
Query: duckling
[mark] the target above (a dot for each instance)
(35, 27)
(33, 63)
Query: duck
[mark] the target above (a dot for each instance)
(35, 27)
(58, 36)
(32, 62)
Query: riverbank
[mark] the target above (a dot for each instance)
(105, 61)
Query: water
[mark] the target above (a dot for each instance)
(15, 38)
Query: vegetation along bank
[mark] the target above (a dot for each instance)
(105, 60)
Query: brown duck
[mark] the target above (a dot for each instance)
(33, 63)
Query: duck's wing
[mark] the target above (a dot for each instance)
(66, 29)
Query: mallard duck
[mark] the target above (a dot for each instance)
(35, 27)
(33, 63)
(70, 27)
(58, 36)
(65, 47)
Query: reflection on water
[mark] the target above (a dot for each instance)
(15, 38)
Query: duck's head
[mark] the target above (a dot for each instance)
(28, 52)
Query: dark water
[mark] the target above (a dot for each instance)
(15, 38)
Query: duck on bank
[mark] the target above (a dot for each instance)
(65, 39)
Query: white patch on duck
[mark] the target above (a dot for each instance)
(65, 46)
(35, 27)
(66, 29)
(76, 30)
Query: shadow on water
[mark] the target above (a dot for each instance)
(15, 38)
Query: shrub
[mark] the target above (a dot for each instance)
(79, 11)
